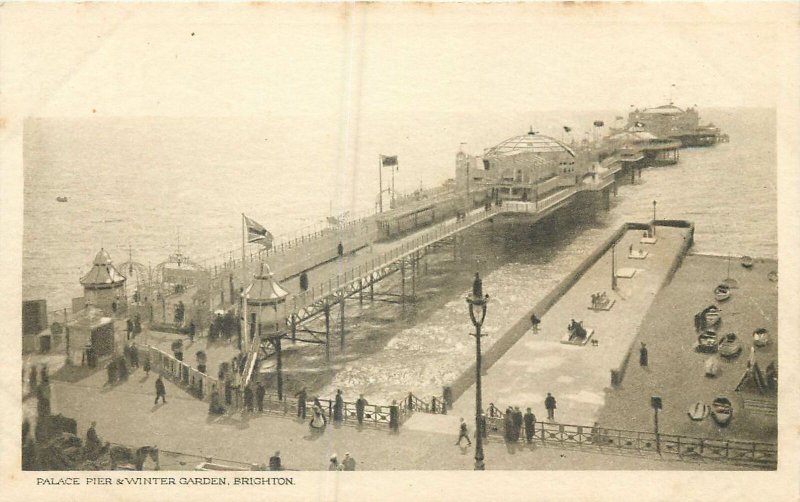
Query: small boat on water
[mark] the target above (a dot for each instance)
(698, 411)
(760, 337)
(722, 292)
(707, 342)
(722, 411)
(729, 346)
(61, 199)
(747, 261)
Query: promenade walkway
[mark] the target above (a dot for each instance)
(125, 414)
(578, 375)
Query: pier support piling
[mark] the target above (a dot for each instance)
(294, 328)
(414, 277)
(341, 324)
(327, 310)
(403, 282)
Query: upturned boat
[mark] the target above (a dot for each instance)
(729, 345)
(707, 342)
(722, 293)
(722, 411)
(747, 261)
(760, 337)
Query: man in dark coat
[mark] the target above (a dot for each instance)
(462, 433)
(161, 391)
(275, 462)
(361, 403)
(477, 286)
(301, 403)
(550, 405)
(530, 420)
(248, 398)
(338, 407)
(128, 328)
(260, 391)
(643, 355)
(508, 425)
(517, 418)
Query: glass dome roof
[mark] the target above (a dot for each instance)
(528, 143)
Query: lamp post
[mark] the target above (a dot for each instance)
(478, 301)
(267, 298)
(654, 218)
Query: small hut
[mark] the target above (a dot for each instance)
(104, 285)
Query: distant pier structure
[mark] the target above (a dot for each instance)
(104, 285)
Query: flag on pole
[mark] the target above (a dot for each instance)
(257, 233)
(638, 124)
(599, 123)
(389, 161)
(567, 129)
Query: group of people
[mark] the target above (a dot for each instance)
(576, 329)
(514, 422)
(599, 300)
(348, 463)
(319, 418)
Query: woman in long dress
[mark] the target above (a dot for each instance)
(318, 421)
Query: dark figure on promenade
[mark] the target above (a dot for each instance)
(134, 356)
(517, 419)
(643, 355)
(248, 398)
(530, 420)
(161, 391)
(260, 391)
(93, 443)
(228, 392)
(334, 464)
(348, 462)
(114, 306)
(340, 249)
(477, 286)
(462, 433)
(493, 411)
(137, 324)
(28, 448)
(122, 368)
(482, 430)
(111, 368)
(535, 321)
(43, 400)
(394, 417)
(192, 331)
(33, 380)
(508, 425)
(146, 365)
(301, 403)
(275, 462)
(44, 375)
(303, 282)
(338, 407)
(361, 403)
(215, 407)
(128, 329)
(550, 405)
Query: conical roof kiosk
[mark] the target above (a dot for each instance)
(265, 312)
(104, 285)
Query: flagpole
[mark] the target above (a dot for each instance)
(393, 168)
(380, 183)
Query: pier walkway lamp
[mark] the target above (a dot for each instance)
(654, 218)
(477, 313)
(266, 300)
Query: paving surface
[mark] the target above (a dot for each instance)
(126, 414)
(578, 375)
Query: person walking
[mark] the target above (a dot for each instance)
(147, 365)
(275, 462)
(301, 403)
(348, 462)
(517, 418)
(361, 403)
(338, 408)
(333, 465)
(530, 420)
(260, 391)
(161, 391)
(550, 406)
(463, 434)
(643, 355)
(508, 425)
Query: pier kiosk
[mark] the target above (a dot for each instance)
(104, 285)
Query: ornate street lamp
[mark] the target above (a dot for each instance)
(477, 301)
(654, 218)
(266, 303)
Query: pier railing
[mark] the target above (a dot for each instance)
(609, 439)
